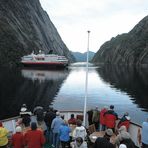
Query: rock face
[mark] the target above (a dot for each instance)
(126, 49)
(24, 27)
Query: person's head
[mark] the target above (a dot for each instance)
(57, 113)
(122, 146)
(72, 115)
(79, 141)
(33, 126)
(50, 109)
(62, 117)
(24, 105)
(108, 132)
(79, 123)
(122, 128)
(105, 107)
(18, 129)
(1, 124)
(126, 114)
(65, 122)
(111, 107)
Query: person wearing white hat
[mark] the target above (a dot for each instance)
(55, 126)
(18, 138)
(104, 142)
(122, 146)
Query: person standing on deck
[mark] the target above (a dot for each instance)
(18, 138)
(34, 138)
(110, 118)
(125, 120)
(79, 131)
(104, 142)
(72, 120)
(96, 118)
(90, 115)
(102, 118)
(49, 116)
(3, 136)
(25, 114)
(55, 126)
(144, 135)
(64, 132)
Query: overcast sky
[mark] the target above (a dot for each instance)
(104, 18)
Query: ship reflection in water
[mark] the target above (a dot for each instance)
(43, 75)
(125, 88)
(33, 87)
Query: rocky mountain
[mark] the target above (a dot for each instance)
(24, 27)
(81, 57)
(128, 49)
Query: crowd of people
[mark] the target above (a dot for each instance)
(50, 128)
(106, 120)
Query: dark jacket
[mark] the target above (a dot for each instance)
(102, 142)
(49, 116)
(129, 143)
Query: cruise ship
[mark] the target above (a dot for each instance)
(44, 60)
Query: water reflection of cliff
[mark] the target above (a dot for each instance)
(130, 80)
(32, 87)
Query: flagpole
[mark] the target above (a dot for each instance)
(86, 82)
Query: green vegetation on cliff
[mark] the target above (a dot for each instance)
(127, 49)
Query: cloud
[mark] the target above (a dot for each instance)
(105, 19)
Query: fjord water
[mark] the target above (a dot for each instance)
(124, 87)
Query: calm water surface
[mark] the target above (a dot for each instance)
(125, 88)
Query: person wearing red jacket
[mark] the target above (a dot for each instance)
(34, 138)
(18, 138)
(110, 118)
(102, 118)
(72, 120)
(125, 120)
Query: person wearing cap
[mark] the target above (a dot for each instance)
(125, 120)
(18, 138)
(25, 114)
(122, 146)
(144, 135)
(55, 126)
(104, 142)
(34, 138)
(124, 137)
(3, 136)
(110, 118)
(102, 118)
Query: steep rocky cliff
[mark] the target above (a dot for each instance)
(24, 27)
(127, 49)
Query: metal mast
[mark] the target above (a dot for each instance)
(86, 81)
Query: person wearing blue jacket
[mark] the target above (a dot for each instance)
(64, 134)
(55, 126)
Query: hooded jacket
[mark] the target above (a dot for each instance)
(3, 136)
(79, 132)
